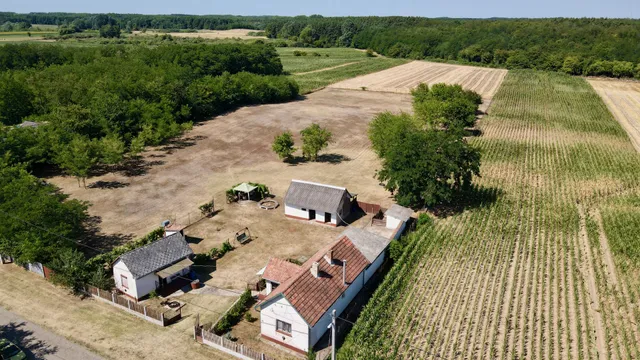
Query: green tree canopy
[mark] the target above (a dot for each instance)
(314, 139)
(283, 145)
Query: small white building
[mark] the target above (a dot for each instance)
(397, 216)
(153, 266)
(297, 312)
(312, 201)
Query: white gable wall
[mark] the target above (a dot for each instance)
(282, 310)
(296, 212)
(137, 288)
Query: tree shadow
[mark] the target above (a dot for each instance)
(181, 143)
(193, 239)
(476, 197)
(17, 333)
(94, 239)
(331, 158)
(472, 132)
(107, 185)
(137, 166)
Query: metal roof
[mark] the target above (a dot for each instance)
(369, 244)
(399, 212)
(157, 255)
(175, 268)
(245, 188)
(319, 197)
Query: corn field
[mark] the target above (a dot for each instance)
(545, 265)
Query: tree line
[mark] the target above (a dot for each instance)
(98, 106)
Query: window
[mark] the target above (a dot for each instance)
(283, 327)
(124, 281)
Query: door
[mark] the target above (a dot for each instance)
(312, 214)
(327, 217)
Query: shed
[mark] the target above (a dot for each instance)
(396, 215)
(153, 266)
(323, 203)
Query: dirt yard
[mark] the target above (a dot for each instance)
(172, 181)
(623, 100)
(208, 34)
(401, 79)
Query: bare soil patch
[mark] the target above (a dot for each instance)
(623, 100)
(209, 34)
(401, 79)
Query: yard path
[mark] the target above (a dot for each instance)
(40, 343)
(105, 330)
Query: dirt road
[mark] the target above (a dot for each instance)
(40, 343)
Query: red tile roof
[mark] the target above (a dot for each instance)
(312, 296)
(279, 270)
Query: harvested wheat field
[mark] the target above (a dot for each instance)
(623, 99)
(401, 79)
(209, 34)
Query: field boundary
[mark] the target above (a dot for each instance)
(327, 68)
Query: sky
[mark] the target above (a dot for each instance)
(425, 8)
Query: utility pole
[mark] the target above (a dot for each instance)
(333, 334)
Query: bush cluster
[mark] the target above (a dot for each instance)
(234, 315)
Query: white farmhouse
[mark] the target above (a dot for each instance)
(312, 201)
(153, 266)
(297, 312)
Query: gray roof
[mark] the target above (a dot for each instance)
(28, 124)
(319, 197)
(369, 244)
(399, 212)
(157, 255)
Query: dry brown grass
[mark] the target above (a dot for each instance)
(623, 100)
(208, 34)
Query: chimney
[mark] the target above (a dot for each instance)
(329, 257)
(314, 269)
(344, 272)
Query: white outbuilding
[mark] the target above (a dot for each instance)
(322, 203)
(153, 266)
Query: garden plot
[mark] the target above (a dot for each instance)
(623, 100)
(401, 79)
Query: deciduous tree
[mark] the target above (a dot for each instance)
(314, 139)
(283, 145)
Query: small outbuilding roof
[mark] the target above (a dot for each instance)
(245, 188)
(399, 212)
(319, 197)
(278, 270)
(369, 244)
(175, 268)
(157, 255)
(28, 124)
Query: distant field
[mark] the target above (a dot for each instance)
(402, 79)
(207, 34)
(623, 99)
(18, 36)
(329, 58)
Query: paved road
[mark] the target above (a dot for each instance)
(38, 342)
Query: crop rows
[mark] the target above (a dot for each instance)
(526, 274)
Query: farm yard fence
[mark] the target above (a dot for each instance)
(165, 318)
(369, 208)
(238, 350)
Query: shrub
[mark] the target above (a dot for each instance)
(234, 314)
(249, 318)
(316, 54)
(424, 220)
(283, 145)
(200, 259)
(226, 247)
(314, 139)
(214, 253)
(370, 53)
(299, 53)
(153, 294)
(395, 250)
(207, 209)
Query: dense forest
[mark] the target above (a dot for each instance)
(597, 47)
(93, 106)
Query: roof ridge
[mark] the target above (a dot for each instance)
(318, 184)
(151, 243)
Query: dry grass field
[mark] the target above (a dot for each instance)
(401, 79)
(623, 99)
(208, 34)
(172, 181)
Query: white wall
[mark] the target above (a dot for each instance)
(297, 212)
(392, 222)
(282, 310)
(321, 326)
(269, 288)
(137, 288)
(375, 265)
